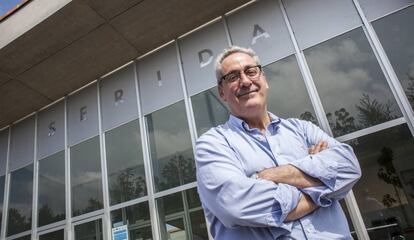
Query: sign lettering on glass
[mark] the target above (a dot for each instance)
(205, 57)
(118, 97)
(83, 113)
(52, 129)
(258, 32)
(159, 78)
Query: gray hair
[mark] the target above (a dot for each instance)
(229, 51)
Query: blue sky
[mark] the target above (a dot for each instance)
(7, 5)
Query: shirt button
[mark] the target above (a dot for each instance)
(260, 138)
(308, 230)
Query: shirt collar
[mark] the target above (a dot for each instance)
(241, 124)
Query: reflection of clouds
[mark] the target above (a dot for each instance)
(343, 69)
(168, 143)
(287, 93)
(85, 177)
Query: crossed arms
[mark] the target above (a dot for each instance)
(311, 182)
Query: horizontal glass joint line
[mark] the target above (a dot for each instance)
(372, 129)
(54, 226)
(88, 215)
(22, 234)
(381, 227)
(176, 189)
(128, 203)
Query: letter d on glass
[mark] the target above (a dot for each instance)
(205, 57)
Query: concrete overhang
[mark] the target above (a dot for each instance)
(51, 48)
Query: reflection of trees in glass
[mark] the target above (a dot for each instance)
(127, 186)
(46, 215)
(410, 89)
(93, 204)
(17, 222)
(177, 171)
(344, 122)
(370, 112)
(308, 116)
(388, 174)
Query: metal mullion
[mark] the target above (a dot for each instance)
(55, 225)
(227, 31)
(128, 203)
(356, 216)
(106, 221)
(187, 101)
(35, 182)
(323, 121)
(388, 70)
(147, 163)
(86, 216)
(49, 230)
(175, 190)
(68, 199)
(18, 235)
(307, 76)
(6, 190)
(372, 129)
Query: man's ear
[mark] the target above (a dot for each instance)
(221, 92)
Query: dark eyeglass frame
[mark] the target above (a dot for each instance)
(223, 78)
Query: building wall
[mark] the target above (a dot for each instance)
(120, 151)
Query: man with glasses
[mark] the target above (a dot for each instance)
(263, 177)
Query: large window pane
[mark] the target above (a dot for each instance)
(396, 35)
(177, 217)
(85, 177)
(351, 85)
(287, 93)
(20, 203)
(171, 151)
(51, 201)
(57, 235)
(89, 231)
(209, 110)
(137, 218)
(385, 193)
(126, 171)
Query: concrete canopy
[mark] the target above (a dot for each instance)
(68, 45)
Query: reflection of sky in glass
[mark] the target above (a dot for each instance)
(287, 95)
(124, 158)
(397, 37)
(52, 187)
(171, 150)
(345, 70)
(392, 150)
(86, 176)
(8, 5)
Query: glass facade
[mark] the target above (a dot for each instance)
(119, 153)
(51, 196)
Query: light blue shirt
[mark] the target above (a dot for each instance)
(241, 207)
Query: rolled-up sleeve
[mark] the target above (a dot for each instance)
(234, 198)
(337, 167)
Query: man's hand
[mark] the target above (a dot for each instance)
(322, 145)
(291, 175)
(304, 207)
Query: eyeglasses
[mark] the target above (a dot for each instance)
(253, 73)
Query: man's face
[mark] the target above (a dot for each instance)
(246, 98)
